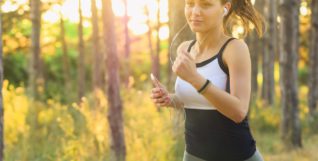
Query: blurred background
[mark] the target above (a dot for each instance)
(76, 82)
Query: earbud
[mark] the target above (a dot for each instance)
(225, 11)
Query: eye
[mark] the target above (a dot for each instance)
(207, 4)
(189, 4)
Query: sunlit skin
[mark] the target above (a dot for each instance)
(205, 17)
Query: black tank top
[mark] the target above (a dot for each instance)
(212, 136)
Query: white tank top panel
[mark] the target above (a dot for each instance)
(212, 69)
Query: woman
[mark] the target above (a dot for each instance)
(213, 82)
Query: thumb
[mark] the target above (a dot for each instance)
(188, 55)
(155, 81)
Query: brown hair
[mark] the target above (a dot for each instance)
(244, 11)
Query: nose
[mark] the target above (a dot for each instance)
(196, 10)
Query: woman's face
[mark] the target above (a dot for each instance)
(203, 15)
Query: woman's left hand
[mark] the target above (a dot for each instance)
(184, 66)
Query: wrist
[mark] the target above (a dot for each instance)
(174, 102)
(171, 100)
(197, 81)
(204, 87)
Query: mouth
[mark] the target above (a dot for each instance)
(196, 21)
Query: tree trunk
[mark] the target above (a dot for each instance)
(66, 65)
(269, 49)
(115, 117)
(156, 57)
(179, 31)
(127, 46)
(35, 79)
(176, 22)
(265, 58)
(127, 38)
(291, 130)
(256, 51)
(97, 59)
(1, 97)
(252, 42)
(149, 36)
(269, 56)
(313, 60)
(80, 65)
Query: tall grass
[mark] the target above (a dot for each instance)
(51, 131)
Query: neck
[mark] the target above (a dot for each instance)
(208, 42)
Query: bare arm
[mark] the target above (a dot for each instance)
(175, 101)
(235, 104)
(162, 97)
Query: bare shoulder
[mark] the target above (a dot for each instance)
(183, 46)
(236, 52)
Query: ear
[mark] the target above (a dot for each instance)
(228, 6)
(225, 12)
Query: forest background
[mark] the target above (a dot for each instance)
(76, 86)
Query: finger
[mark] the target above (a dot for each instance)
(177, 62)
(160, 100)
(152, 96)
(168, 99)
(157, 95)
(161, 93)
(156, 101)
(155, 81)
(166, 102)
(159, 104)
(185, 52)
(157, 90)
(162, 104)
(179, 57)
(174, 68)
(183, 57)
(188, 55)
(165, 99)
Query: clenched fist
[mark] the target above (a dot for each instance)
(184, 66)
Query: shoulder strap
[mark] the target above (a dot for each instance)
(223, 66)
(220, 60)
(224, 45)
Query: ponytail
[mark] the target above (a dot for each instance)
(244, 11)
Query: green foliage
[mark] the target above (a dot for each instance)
(53, 131)
(15, 68)
(303, 76)
(59, 130)
(55, 83)
(266, 118)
